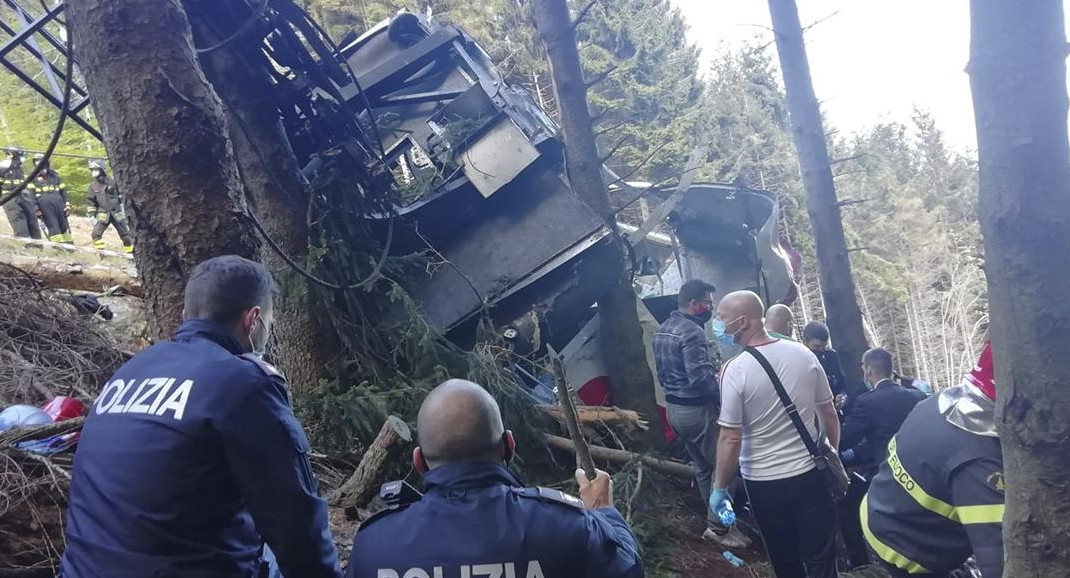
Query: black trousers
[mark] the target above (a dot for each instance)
(21, 214)
(798, 522)
(55, 218)
(897, 573)
(851, 522)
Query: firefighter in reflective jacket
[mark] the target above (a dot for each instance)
(52, 202)
(106, 207)
(22, 211)
(938, 498)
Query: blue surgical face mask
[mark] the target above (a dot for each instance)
(720, 334)
(261, 350)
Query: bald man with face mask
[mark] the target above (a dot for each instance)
(788, 495)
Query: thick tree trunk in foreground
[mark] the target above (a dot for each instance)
(280, 202)
(365, 482)
(842, 314)
(623, 351)
(166, 139)
(1018, 76)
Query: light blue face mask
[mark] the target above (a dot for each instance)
(719, 333)
(258, 352)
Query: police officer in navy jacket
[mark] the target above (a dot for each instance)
(476, 520)
(191, 462)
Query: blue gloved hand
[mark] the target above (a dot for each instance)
(718, 498)
(847, 455)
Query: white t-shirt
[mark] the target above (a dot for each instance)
(772, 449)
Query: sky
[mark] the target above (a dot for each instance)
(871, 60)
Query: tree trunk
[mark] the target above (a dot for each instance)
(1018, 77)
(841, 307)
(270, 174)
(165, 133)
(623, 350)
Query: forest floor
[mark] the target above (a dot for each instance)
(81, 230)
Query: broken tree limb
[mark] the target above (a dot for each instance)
(364, 484)
(622, 457)
(22, 434)
(609, 416)
(78, 277)
(572, 420)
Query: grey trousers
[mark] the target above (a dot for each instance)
(697, 427)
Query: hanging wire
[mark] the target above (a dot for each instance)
(56, 133)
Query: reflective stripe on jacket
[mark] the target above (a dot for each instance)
(938, 497)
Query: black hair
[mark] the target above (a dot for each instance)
(221, 289)
(693, 289)
(816, 330)
(880, 360)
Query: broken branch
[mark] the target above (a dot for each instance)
(583, 13)
(669, 467)
(362, 486)
(572, 421)
(595, 414)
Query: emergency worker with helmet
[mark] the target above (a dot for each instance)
(53, 205)
(21, 211)
(938, 497)
(106, 207)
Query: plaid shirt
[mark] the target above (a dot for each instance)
(682, 357)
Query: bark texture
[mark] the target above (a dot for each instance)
(842, 314)
(1018, 76)
(165, 133)
(670, 467)
(623, 350)
(270, 175)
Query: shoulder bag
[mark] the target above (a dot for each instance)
(825, 456)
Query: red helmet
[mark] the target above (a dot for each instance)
(983, 375)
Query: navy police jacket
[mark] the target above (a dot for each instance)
(476, 521)
(190, 459)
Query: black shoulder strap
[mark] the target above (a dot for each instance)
(789, 405)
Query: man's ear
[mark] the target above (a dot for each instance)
(248, 319)
(418, 460)
(509, 449)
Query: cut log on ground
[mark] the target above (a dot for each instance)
(609, 416)
(622, 457)
(364, 484)
(78, 277)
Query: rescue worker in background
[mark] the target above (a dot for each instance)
(938, 497)
(52, 202)
(816, 338)
(21, 211)
(191, 462)
(692, 399)
(477, 520)
(780, 321)
(875, 417)
(106, 206)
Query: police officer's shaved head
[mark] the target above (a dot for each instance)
(460, 421)
(221, 289)
(779, 318)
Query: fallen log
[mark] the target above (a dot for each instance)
(621, 457)
(22, 434)
(597, 414)
(76, 276)
(364, 484)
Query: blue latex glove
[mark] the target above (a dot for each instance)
(847, 455)
(718, 499)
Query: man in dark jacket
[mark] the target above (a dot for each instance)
(477, 520)
(52, 201)
(191, 462)
(692, 399)
(21, 211)
(816, 338)
(875, 417)
(106, 206)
